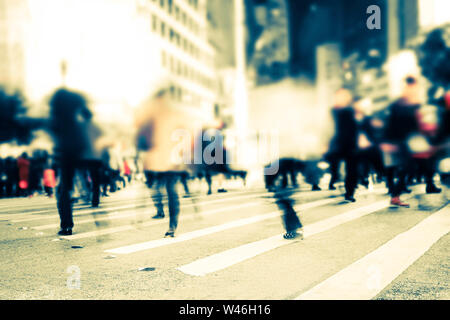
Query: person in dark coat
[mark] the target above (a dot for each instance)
(344, 143)
(401, 124)
(68, 113)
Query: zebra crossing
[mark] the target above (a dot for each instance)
(251, 218)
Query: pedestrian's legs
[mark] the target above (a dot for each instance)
(183, 178)
(157, 181)
(48, 191)
(429, 172)
(208, 181)
(334, 170)
(174, 204)
(94, 173)
(290, 219)
(64, 201)
(351, 175)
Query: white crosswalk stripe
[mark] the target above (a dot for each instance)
(230, 257)
(389, 261)
(202, 232)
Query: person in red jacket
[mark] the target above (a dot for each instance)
(49, 179)
(24, 173)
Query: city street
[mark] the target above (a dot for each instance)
(229, 246)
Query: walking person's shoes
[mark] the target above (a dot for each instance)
(395, 201)
(158, 216)
(65, 232)
(293, 235)
(433, 189)
(222, 190)
(170, 233)
(350, 198)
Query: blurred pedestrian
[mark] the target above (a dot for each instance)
(343, 146)
(49, 178)
(284, 201)
(401, 124)
(157, 121)
(23, 164)
(68, 112)
(368, 152)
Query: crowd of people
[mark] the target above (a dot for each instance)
(37, 174)
(399, 145)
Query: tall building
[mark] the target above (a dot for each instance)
(268, 40)
(118, 55)
(221, 36)
(185, 52)
(14, 15)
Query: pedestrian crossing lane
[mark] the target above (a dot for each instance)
(228, 258)
(389, 261)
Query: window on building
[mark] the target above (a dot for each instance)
(171, 35)
(183, 18)
(154, 23)
(161, 3)
(163, 29)
(170, 6)
(177, 13)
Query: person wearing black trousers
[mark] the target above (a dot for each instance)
(167, 180)
(284, 201)
(343, 146)
(68, 112)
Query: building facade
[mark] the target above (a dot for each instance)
(116, 51)
(185, 53)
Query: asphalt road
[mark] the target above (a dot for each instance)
(230, 248)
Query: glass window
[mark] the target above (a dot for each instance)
(161, 3)
(163, 29)
(154, 23)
